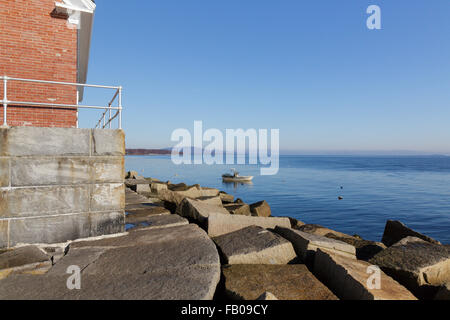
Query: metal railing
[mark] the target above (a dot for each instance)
(105, 120)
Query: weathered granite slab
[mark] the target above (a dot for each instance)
(395, 231)
(350, 279)
(154, 221)
(225, 197)
(255, 245)
(365, 249)
(417, 264)
(286, 282)
(260, 209)
(321, 231)
(306, 244)
(219, 224)
(27, 259)
(238, 208)
(198, 210)
(214, 200)
(172, 263)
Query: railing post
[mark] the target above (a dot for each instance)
(120, 107)
(109, 107)
(78, 101)
(5, 99)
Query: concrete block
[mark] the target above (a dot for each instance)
(4, 233)
(51, 229)
(39, 201)
(419, 265)
(396, 231)
(108, 142)
(4, 172)
(198, 210)
(219, 224)
(286, 282)
(102, 223)
(34, 141)
(137, 221)
(107, 170)
(107, 197)
(255, 245)
(306, 244)
(22, 256)
(37, 171)
(350, 279)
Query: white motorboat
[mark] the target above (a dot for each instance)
(235, 177)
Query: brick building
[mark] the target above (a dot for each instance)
(44, 40)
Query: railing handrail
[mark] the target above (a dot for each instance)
(118, 93)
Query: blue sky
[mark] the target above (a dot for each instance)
(309, 68)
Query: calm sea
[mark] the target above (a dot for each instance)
(414, 190)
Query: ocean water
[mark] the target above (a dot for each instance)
(414, 190)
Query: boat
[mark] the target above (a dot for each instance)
(235, 177)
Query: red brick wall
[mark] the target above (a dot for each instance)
(34, 44)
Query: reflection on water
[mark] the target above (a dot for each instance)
(235, 185)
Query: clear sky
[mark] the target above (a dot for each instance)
(309, 68)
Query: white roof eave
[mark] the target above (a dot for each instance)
(85, 10)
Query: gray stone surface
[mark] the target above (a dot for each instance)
(132, 197)
(51, 229)
(4, 172)
(208, 192)
(22, 256)
(365, 249)
(255, 245)
(157, 187)
(197, 210)
(306, 244)
(286, 282)
(104, 223)
(147, 212)
(225, 197)
(136, 221)
(4, 226)
(60, 228)
(420, 266)
(238, 208)
(105, 197)
(142, 188)
(320, 230)
(49, 171)
(61, 175)
(178, 263)
(218, 224)
(395, 231)
(108, 142)
(215, 200)
(29, 202)
(350, 279)
(107, 169)
(260, 209)
(33, 141)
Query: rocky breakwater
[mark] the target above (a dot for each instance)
(192, 242)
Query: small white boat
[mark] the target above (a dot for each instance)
(235, 177)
